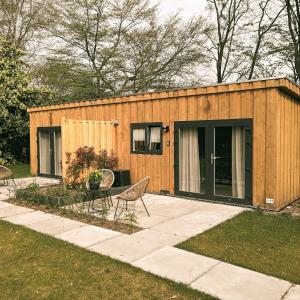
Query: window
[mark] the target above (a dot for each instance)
(146, 138)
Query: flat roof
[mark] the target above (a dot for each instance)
(283, 83)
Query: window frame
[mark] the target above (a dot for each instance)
(146, 127)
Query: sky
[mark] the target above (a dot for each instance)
(187, 8)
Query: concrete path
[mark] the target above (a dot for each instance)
(173, 220)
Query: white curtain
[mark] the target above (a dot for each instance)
(139, 135)
(138, 138)
(44, 145)
(154, 137)
(57, 153)
(189, 161)
(238, 162)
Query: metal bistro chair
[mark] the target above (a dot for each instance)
(5, 174)
(106, 183)
(134, 193)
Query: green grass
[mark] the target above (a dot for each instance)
(20, 170)
(36, 266)
(265, 243)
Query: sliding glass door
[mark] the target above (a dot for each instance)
(49, 151)
(213, 160)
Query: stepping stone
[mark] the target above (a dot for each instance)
(160, 237)
(176, 264)
(126, 248)
(87, 235)
(55, 226)
(13, 210)
(30, 218)
(229, 282)
(293, 294)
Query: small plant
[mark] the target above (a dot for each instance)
(131, 219)
(103, 213)
(94, 180)
(32, 187)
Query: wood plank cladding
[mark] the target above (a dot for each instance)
(273, 105)
(78, 133)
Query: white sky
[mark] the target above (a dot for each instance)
(187, 8)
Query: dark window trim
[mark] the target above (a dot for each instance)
(146, 126)
(51, 130)
(209, 125)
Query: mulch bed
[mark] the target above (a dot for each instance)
(77, 216)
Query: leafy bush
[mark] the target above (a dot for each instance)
(106, 161)
(86, 157)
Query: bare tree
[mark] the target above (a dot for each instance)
(124, 44)
(265, 24)
(21, 20)
(224, 39)
(293, 17)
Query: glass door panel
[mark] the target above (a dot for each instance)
(45, 152)
(50, 155)
(57, 153)
(228, 160)
(192, 169)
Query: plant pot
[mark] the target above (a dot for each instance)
(94, 185)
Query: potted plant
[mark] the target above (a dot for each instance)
(94, 180)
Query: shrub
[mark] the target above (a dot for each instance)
(106, 161)
(85, 157)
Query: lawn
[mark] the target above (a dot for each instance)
(36, 266)
(263, 242)
(20, 170)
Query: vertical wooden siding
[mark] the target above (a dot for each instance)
(78, 133)
(258, 104)
(288, 151)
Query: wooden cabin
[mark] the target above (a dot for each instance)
(235, 142)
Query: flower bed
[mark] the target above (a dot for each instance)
(54, 196)
(65, 202)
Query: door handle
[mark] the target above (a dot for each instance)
(213, 158)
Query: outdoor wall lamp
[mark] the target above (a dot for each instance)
(166, 128)
(115, 122)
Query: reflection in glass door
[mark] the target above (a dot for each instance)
(49, 151)
(228, 160)
(45, 152)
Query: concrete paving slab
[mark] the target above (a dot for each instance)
(126, 248)
(203, 217)
(4, 204)
(176, 264)
(160, 237)
(171, 211)
(55, 225)
(293, 293)
(29, 218)
(13, 210)
(229, 282)
(148, 222)
(176, 226)
(87, 235)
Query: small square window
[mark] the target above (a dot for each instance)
(146, 138)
